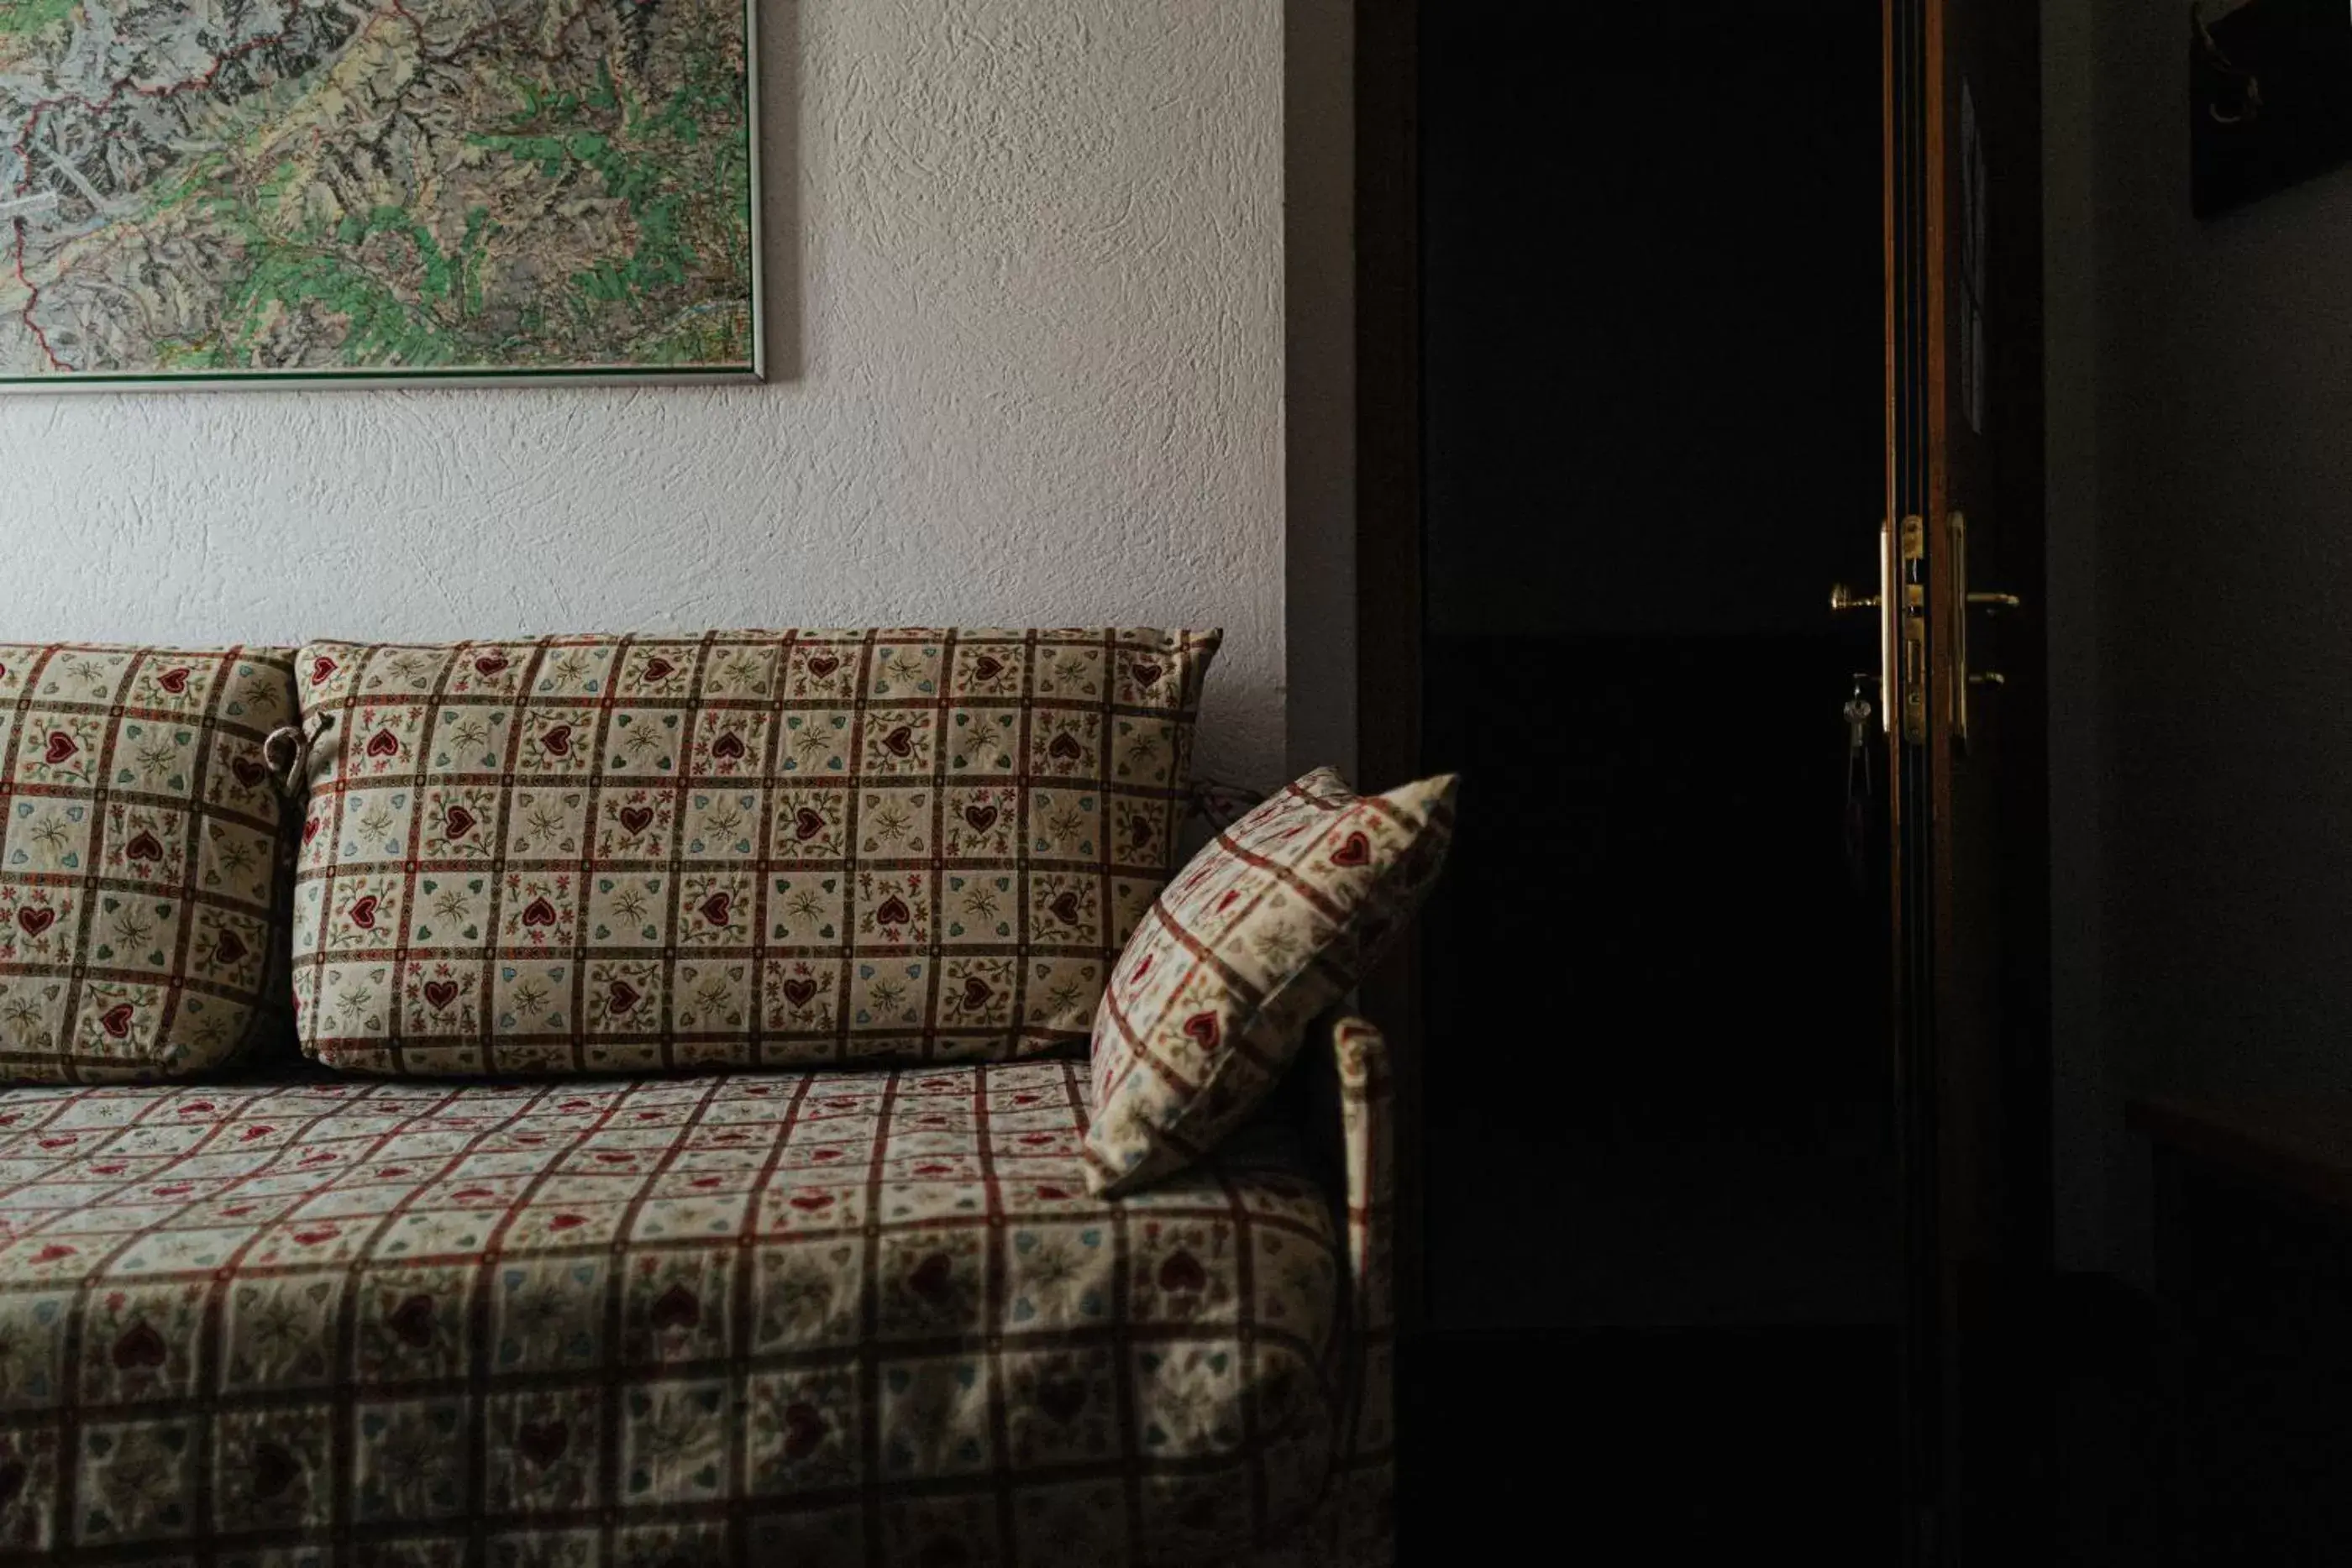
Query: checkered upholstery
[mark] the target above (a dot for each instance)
(1268, 927)
(142, 920)
(790, 848)
(868, 1318)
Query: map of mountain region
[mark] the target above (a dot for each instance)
(205, 188)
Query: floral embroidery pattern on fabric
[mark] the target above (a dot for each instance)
(758, 848)
(141, 916)
(1267, 926)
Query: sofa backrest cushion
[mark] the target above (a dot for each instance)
(756, 848)
(141, 909)
(1270, 925)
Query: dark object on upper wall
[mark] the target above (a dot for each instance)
(2270, 94)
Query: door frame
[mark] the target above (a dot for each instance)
(1389, 532)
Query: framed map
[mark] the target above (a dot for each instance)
(221, 192)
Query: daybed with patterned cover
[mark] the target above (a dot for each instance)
(798, 1318)
(695, 1161)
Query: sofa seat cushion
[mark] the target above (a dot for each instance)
(855, 1317)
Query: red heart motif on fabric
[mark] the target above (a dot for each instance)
(636, 819)
(317, 1157)
(659, 669)
(275, 1469)
(363, 912)
(1054, 1193)
(1356, 849)
(112, 1168)
(1064, 907)
(807, 823)
(488, 664)
(900, 742)
(706, 1182)
(542, 1442)
(33, 922)
(676, 1308)
(459, 823)
(822, 664)
(1182, 1273)
(116, 1020)
(143, 846)
(810, 1202)
(174, 1189)
(413, 1321)
(614, 1157)
(472, 1194)
(439, 994)
(313, 1238)
(567, 1221)
(1036, 1140)
(1062, 1398)
(728, 747)
(987, 667)
(1204, 1029)
(309, 828)
(798, 992)
(934, 1278)
(1145, 968)
(52, 1253)
(140, 1345)
(557, 742)
(932, 1168)
(67, 1141)
(826, 1154)
(715, 908)
(539, 912)
(803, 1430)
(61, 745)
(1065, 748)
(261, 1131)
(976, 991)
(894, 911)
(384, 743)
(174, 681)
(621, 998)
(1146, 674)
(981, 818)
(229, 948)
(320, 668)
(250, 771)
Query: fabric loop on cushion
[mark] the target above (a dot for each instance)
(287, 750)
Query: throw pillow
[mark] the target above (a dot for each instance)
(1269, 925)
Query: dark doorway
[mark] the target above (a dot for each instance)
(1658, 1152)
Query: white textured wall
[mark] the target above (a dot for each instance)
(1025, 278)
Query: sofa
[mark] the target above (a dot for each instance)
(693, 1300)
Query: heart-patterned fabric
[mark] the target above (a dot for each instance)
(756, 848)
(864, 1318)
(142, 912)
(1269, 925)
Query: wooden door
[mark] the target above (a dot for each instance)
(1966, 747)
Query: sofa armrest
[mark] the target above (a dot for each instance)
(1363, 1468)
